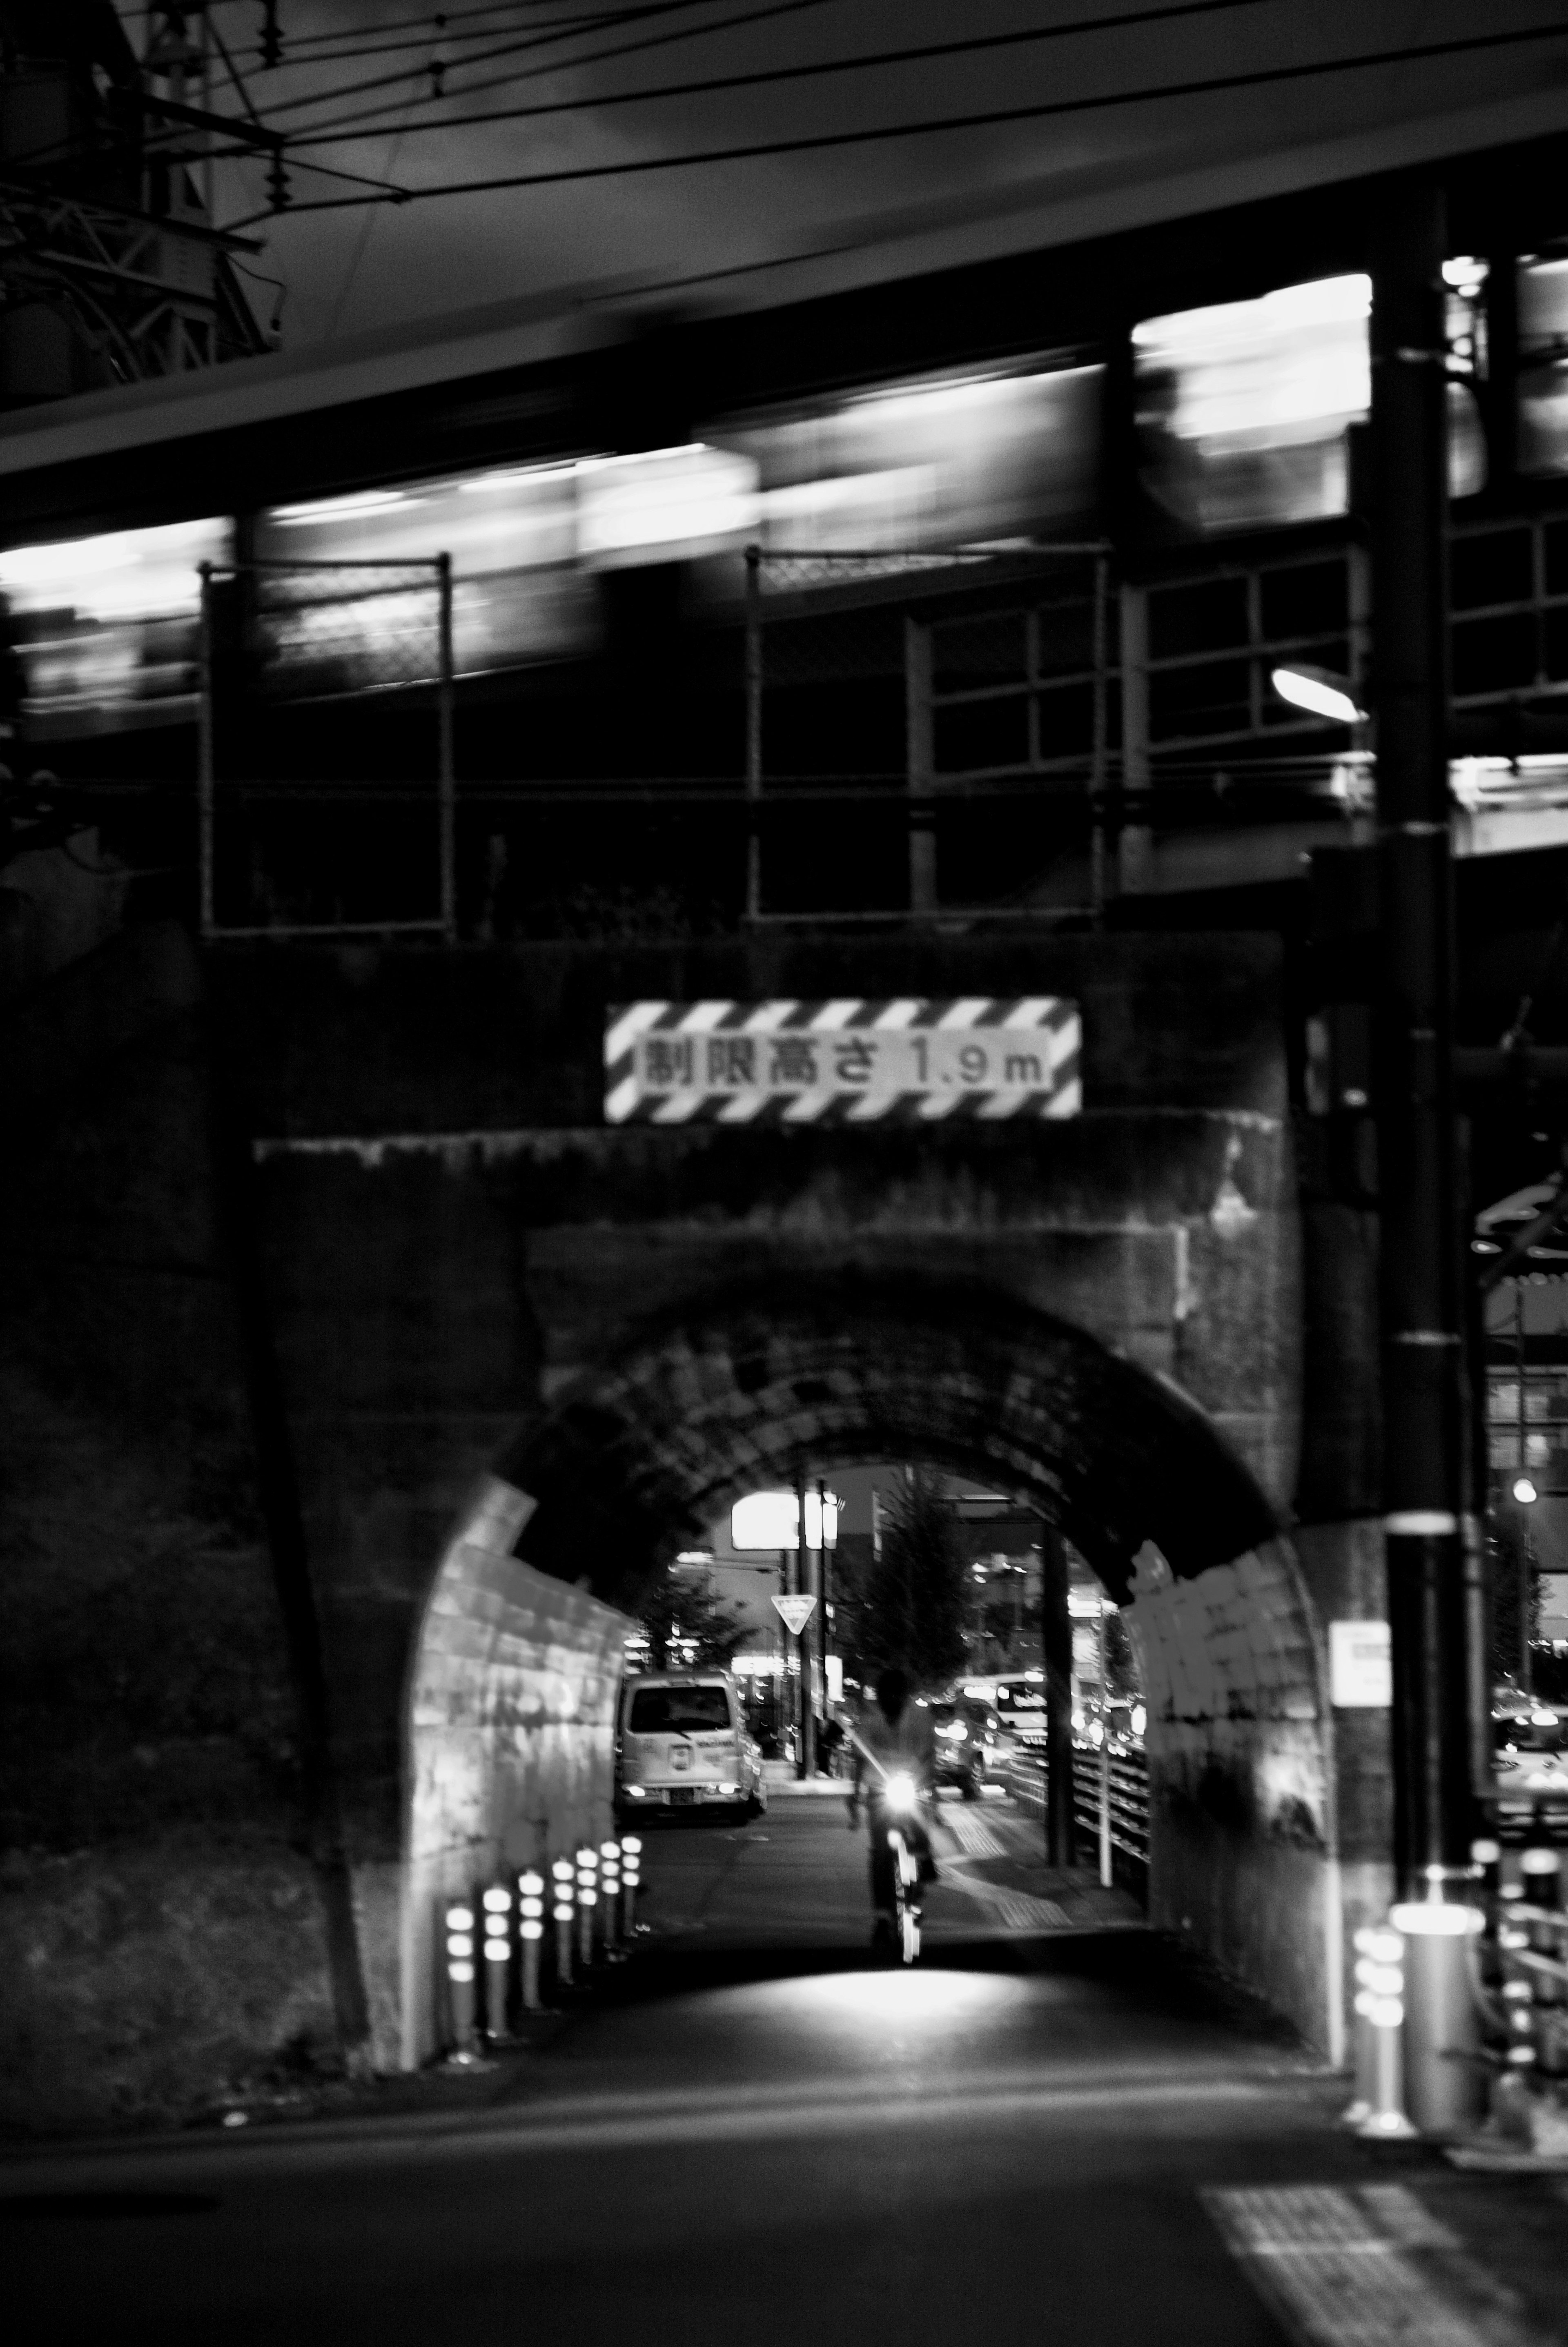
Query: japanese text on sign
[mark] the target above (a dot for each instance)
(844, 1062)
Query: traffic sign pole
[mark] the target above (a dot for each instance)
(807, 1765)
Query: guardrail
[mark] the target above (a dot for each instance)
(1110, 1809)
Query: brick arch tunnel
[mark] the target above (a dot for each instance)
(513, 1681)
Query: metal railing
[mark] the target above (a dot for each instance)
(300, 635)
(1110, 1808)
(906, 689)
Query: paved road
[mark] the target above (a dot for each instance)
(755, 2134)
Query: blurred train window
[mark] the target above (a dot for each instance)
(105, 628)
(1241, 411)
(518, 594)
(1543, 367)
(1000, 459)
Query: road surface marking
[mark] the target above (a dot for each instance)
(974, 1836)
(1017, 1909)
(1365, 2269)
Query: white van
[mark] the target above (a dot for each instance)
(683, 1743)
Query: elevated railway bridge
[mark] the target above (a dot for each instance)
(406, 715)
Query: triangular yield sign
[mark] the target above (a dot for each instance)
(796, 1611)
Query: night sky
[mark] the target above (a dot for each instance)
(716, 232)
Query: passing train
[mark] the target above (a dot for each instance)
(597, 593)
(1242, 411)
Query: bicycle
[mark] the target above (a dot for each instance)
(901, 1796)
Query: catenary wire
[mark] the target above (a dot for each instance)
(992, 116)
(324, 134)
(435, 32)
(535, 40)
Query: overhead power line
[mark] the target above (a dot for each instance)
(443, 36)
(324, 134)
(535, 40)
(990, 118)
(305, 48)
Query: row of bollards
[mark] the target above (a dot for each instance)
(593, 1901)
(1524, 1960)
(1506, 2006)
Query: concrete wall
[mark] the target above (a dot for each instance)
(1242, 1823)
(511, 1724)
(160, 1932)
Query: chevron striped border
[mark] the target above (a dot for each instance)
(1051, 1024)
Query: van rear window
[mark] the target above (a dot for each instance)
(677, 1711)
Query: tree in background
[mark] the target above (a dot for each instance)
(1120, 1664)
(1515, 1587)
(686, 1627)
(915, 1600)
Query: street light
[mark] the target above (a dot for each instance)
(1524, 1490)
(1320, 691)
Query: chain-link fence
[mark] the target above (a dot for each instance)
(309, 859)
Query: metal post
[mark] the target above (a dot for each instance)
(448, 784)
(1101, 740)
(806, 1765)
(530, 1934)
(754, 732)
(1423, 1365)
(462, 2004)
(823, 1568)
(587, 1901)
(561, 1876)
(204, 756)
(1526, 1671)
(610, 1892)
(498, 1925)
(1133, 842)
(631, 1878)
(920, 756)
(1104, 1762)
(1056, 1646)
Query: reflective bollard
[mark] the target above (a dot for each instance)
(497, 1905)
(531, 1934)
(562, 1911)
(587, 1902)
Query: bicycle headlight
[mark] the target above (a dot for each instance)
(901, 1792)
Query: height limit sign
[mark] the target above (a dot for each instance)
(852, 1060)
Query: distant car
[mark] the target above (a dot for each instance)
(683, 1743)
(967, 1737)
(1523, 1726)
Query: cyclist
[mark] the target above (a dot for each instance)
(893, 1738)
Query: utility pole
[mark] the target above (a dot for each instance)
(1428, 1556)
(1056, 1653)
(823, 1586)
(807, 1762)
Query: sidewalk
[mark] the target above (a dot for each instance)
(783, 1783)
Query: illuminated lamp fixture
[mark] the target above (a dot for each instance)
(1320, 691)
(1524, 1490)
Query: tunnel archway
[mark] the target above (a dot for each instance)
(736, 1388)
(512, 1688)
